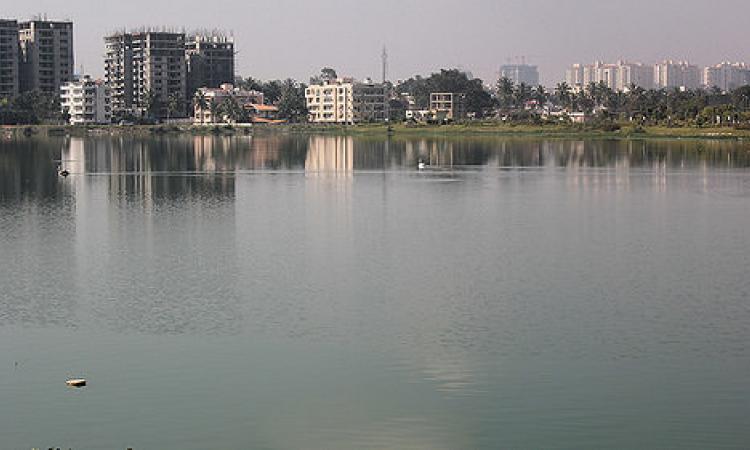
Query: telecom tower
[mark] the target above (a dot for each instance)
(384, 57)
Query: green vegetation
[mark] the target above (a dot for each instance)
(31, 108)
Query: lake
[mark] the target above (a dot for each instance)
(287, 291)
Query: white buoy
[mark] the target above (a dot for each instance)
(76, 382)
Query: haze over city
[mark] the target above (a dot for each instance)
(284, 38)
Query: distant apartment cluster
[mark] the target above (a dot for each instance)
(667, 74)
(521, 74)
(35, 55)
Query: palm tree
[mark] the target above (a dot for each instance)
(522, 94)
(562, 92)
(541, 95)
(201, 103)
(216, 110)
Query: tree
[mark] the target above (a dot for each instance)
(521, 95)
(292, 104)
(152, 104)
(232, 110)
(453, 81)
(541, 95)
(174, 104)
(563, 95)
(505, 93)
(201, 103)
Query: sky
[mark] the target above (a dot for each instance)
(296, 38)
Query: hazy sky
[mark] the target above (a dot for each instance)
(295, 38)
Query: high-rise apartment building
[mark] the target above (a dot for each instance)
(521, 73)
(46, 55)
(210, 61)
(147, 73)
(727, 76)
(620, 76)
(8, 58)
(676, 75)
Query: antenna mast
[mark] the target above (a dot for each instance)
(384, 57)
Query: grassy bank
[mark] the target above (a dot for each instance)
(373, 130)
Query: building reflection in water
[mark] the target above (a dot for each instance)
(149, 170)
(330, 155)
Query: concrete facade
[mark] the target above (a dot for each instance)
(727, 76)
(46, 55)
(210, 61)
(448, 105)
(676, 75)
(345, 101)
(521, 73)
(145, 69)
(86, 101)
(9, 77)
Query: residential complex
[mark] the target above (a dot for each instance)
(677, 75)
(46, 55)
(86, 101)
(619, 76)
(210, 61)
(147, 73)
(8, 58)
(664, 75)
(727, 76)
(345, 101)
(521, 73)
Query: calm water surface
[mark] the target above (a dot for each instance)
(285, 292)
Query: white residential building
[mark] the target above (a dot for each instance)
(86, 101)
(727, 76)
(574, 77)
(619, 76)
(681, 75)
(634, 74)
(345, 101)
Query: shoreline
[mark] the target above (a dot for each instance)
(483, 129)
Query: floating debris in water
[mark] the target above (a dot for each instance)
(76, 382)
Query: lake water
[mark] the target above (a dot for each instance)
(319, 292)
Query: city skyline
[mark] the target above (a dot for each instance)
(293, 39)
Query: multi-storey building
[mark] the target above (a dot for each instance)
(448, 105)
(620, 76)
(634, 74)
(46, 55)
(8, 58)
(86, 101)
(727, 76)
(574, 77)
(346, 101)
(370, 101)
(681, 75)
(521, 73)
(146, 71)
(210, 61)
(208, 100)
